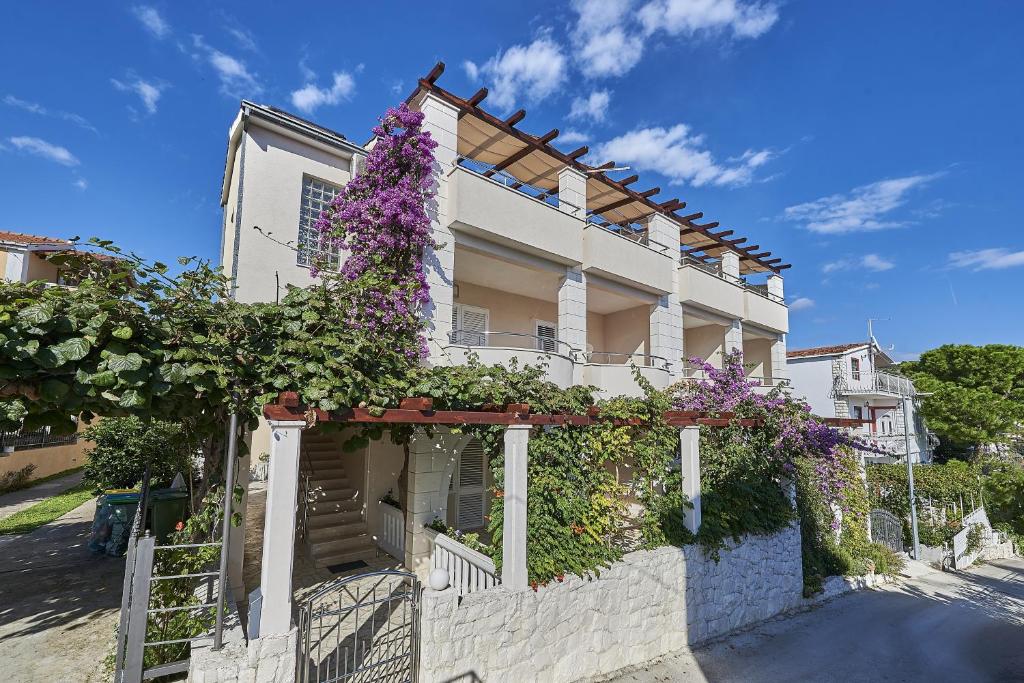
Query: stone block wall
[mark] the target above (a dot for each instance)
(646, 606)
(270, 659)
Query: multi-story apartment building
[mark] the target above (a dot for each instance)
(23, 259)
(850, 381)
(542, 258)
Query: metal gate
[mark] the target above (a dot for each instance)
(887, 529)
(361, 629)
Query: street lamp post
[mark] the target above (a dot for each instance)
(910, 476)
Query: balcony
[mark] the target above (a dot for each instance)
(485, 208)
(705, 286)
(765, 309)
(873, 384)
(629, 261)
(500, 348)
(612, 373)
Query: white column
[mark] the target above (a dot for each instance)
(689, 453)
(514, 574)
(731, 265)
(667, 314)
(441, 120)
(775, 286)
(572, 309)
(16, 268)
(572, 192)
(279, 528)
(734, 337)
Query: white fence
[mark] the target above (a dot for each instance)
(391, 537)
(468, 570)
(962, 558)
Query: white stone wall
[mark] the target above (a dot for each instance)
(646, 606)
(270, 659)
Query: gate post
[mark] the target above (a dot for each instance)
(275, 617)
(513, 535)
(689, 453)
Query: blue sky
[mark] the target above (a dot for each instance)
(875, 146)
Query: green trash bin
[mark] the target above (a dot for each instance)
(112, 525)
(168, 507)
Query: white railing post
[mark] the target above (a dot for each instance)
(275, 616)
(689, 454)
(513, 542)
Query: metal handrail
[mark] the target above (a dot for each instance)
(649, 360)
(549, 197)
(762, 290)
(712, 268)
(475, 338)
(867, 381)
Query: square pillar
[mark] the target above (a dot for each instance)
(779, 367)
(689, 454)
(275, 616)
(572, 309)
(667, 314)
(775, 286)
(514, 573)
(733, 337)
(431, 463)
(441, 120)
(572, 192)
(731, 265)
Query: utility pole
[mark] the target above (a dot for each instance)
(910, 475)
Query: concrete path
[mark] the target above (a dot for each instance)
(58, 603)
(959, 627)
(16, 501)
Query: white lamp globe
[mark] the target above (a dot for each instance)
(438, 579)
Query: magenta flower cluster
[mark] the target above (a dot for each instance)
(380, 224)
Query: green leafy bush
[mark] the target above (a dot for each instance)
(16, 480)
(124, 445)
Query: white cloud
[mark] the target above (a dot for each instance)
(609, 35)
(572, 136)
(310, 96)
(148, 91)
(530, 72)
(876, 263)
(81, 183)
(244, 37)
(151, 20)
(680, 155)
(235, 78)
(863, 209)
(872, 262)
(44, 149)
(594, 107)
(801, 303)
(36, 108)
(987, 259)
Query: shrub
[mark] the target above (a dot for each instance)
(886, 561)
(124, 445)
(18, 479)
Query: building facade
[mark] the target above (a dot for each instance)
(851, 381)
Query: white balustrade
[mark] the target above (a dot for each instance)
(391, 535)
(468, 570)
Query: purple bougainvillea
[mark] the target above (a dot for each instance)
(381, 224)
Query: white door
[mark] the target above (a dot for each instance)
(469, 325)
(547, 336)
(468, 489)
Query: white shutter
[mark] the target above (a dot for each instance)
(547, 334)
(471, 494)
(470, 324)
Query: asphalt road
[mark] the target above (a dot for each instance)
(966, 627)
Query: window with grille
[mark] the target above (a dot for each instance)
(316, 197)
(855, 368)
(547, 337)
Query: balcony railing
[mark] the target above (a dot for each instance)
(513, 340)
(762, 290)
(644, 360)
(39, 438)
(867, 382)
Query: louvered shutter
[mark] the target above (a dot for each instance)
(547, 335)
(471, 490)
(473, 324)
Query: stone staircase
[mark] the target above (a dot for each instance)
(336, 531)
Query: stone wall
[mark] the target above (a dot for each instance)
(270, 659)
(997, 551)
(646, 606)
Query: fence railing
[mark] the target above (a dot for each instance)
(616, 358)
(468, 570)
(867, 382)
(762, 290)
(515, 340)
(391, 536)
(39, 438)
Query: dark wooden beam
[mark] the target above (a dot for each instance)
(719, 235)
(782, 267)
(531, 146)
(577, 153)
(614, 205)
(435, 73)
(690, 217)
(707, 226)
(755, 257)
(630, 180)
(477, 97)
(515, 118)
(770, 261)
(650, 193)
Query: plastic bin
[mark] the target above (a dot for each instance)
(168, 506)
(112, 523)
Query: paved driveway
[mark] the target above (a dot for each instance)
(58, 602)
(937, 627)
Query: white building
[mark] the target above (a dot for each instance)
(850, 381)
(543, 258)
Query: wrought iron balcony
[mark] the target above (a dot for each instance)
(866, 382)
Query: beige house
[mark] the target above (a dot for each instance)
(544, 259)
(23, 259)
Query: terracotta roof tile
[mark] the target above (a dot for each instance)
(823, 350)
(21, 238)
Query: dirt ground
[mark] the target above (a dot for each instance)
(58, 603)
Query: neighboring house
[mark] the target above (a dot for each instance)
(542, 258)
(850, 380)
(23, 259)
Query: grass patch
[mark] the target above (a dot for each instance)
(46, 511)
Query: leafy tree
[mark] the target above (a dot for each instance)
(977, 394)
(124, 445)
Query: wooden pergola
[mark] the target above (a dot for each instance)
(531, 160)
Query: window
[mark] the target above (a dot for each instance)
(858, 413)
(855, 368)
(469, 325)
(316, 197)
(547, 336)
(468, 491)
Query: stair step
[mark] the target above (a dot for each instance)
(332, 507)
(367, 554)
(329, 495)
(329, 484)
(329, 520)
(341, 545)
(337, 532)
